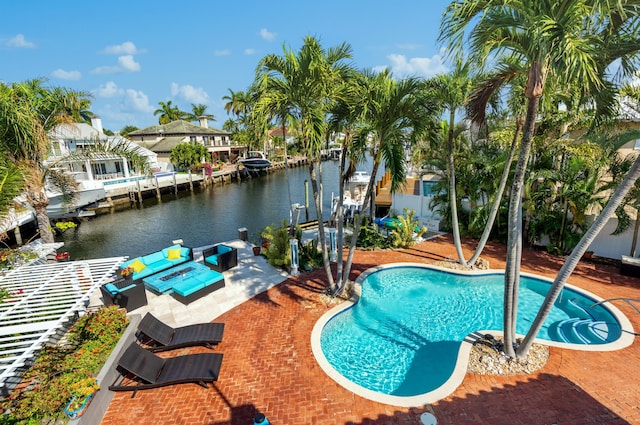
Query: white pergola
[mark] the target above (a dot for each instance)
(45, 299)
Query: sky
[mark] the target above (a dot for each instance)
(130, 55)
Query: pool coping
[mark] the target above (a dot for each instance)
(457, 376)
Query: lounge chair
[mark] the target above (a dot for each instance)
(159, 336)
(140, 369)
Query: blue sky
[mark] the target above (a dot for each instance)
(131, 55)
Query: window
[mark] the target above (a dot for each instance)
(192, 138)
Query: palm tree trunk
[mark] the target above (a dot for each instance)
(514, 238)
(455, 226)
(44, 227)
(576, 255)
(323, 243)
(357, 219)
(341, 280)
(498, 198)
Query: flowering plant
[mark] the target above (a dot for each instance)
(80, 390)
(127, 271)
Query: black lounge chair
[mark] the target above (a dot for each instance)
(140, 369)
(159, 336)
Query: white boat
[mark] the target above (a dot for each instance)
(360, 177)
(255, 161)
(87, 193)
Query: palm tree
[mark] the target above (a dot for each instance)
(302, 85)
(169, 113)
(551, 39)
(452, 90)
(394, 113)
(199, 111)
(28, 112)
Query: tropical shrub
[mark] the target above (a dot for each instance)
(369, 237)
(402, 235)
(64, 371)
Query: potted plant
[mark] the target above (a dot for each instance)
(256, 242)
(127, 273)
(82, 392)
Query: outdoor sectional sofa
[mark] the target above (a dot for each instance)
(158, 261)
(220, 257)
(125, 293)
(198, 285)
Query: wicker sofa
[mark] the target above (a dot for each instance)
(220, 257)
(158, 261)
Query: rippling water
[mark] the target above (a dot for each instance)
(203, 217)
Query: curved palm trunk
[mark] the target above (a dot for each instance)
(496, 202)
(455, 226)
(315, 187)
(357, 219)
(38, 200)
(576, 254)
(514, 239)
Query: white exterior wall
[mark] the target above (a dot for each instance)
(420, 204)
(613, 246)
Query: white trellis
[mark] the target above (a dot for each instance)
(45, 299)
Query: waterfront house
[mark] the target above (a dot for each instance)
(91, 175)
(161, 138)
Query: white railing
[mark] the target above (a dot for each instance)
(45, 299)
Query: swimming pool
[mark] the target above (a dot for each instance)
(403, 341)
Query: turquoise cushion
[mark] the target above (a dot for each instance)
(188, 287)
(165, 251)
(212, 259)
(184, 252)
(111, 288)
(210, 277)
(223, 249)
(153, 258)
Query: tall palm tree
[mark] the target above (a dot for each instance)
(168, 113)
(302, 85)
(452, 91)
(551, 38)
(393, 114)
(199, 111)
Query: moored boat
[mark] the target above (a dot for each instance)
(255, 161)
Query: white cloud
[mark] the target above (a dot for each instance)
(138, 101)
(249, 51)
(223, 52)
(20, 41)
(265, 34)
(128, 63)
(110, 89)
(67, 75)
(126, 48)
(425, 67)
(190, 93)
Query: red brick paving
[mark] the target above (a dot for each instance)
(268, 366)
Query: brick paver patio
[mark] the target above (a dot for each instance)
(268, 366)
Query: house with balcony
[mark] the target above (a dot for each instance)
(162, 138)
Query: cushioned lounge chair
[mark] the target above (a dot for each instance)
(159, 336)
(140, 369)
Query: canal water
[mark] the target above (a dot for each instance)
(203, 217)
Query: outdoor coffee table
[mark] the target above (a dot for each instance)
(163, 282)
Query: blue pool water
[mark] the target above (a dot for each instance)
(403, 335)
